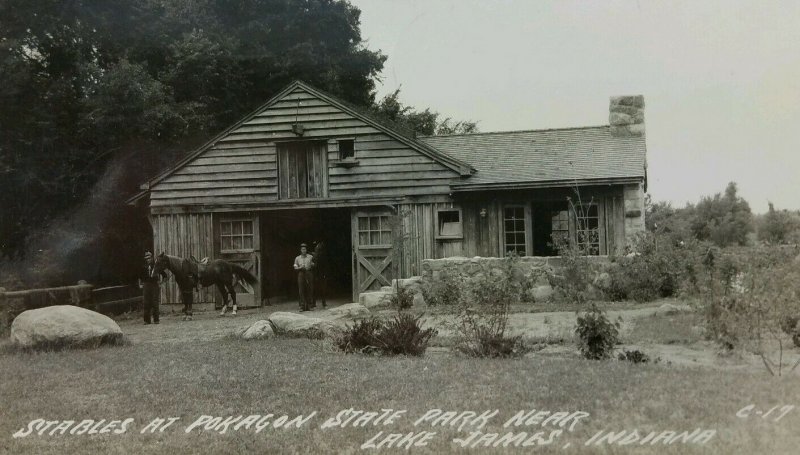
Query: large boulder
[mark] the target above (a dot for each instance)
(298, 325)
(63, 326)
(259, 330)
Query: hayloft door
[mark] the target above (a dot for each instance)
(372, 251)
(239, 243)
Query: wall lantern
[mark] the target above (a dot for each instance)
(483, 213)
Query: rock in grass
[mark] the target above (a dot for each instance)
(259, 330)
(349, 311)
(63, 326)
(298, 325)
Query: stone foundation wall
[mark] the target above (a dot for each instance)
(534, 273)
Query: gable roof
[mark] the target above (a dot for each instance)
(362, 114)
(515, 158)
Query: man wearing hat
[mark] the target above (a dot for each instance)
(305, 278)
(149, 282)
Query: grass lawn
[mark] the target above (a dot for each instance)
(228, 377)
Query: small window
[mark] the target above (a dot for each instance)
(449, 223)
(236, 235)
(374, 231)
(347, 149)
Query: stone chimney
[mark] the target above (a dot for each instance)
(626, 116)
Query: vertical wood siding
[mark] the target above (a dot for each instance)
(183, 235)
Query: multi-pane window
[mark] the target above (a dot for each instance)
(559, 224)
(514, 224)
(236, 235)
(374, 231)
(587, 228)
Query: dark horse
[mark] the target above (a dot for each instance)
(189, 274)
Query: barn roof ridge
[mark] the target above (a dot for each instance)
(534, 130)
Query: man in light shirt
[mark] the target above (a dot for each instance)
(305, 278)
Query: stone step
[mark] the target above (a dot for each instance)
(374, 299)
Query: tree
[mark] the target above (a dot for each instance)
(426, 122)
(723, 219)
(778, 226)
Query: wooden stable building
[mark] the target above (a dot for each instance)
(307, 167)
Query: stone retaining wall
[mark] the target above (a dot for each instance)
(534, 273)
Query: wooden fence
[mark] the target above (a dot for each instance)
(107, 300)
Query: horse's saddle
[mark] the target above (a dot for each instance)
(200, 268)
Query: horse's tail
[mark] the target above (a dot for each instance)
(243, 274)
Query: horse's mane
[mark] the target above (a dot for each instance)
(180, 267)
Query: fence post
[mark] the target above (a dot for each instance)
(84, 295)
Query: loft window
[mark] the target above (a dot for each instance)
(236, 235)
(302, 170)
(449, 224)
(347, 149)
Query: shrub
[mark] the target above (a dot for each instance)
(444, 290)
(483, 342)
(404, 335)
(597, 336)
(483, 313)
(402, 299)
(753, 298)
(659, 266)
(635, 356)
(576, 274)
(361, 337)
(401, 335)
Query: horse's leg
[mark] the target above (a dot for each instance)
(224, 293)
(191, 300)
(232, 291)
(185, 302)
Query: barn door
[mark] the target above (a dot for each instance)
(372, 251)
(240, 244)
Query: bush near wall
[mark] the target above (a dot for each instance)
(658, 266)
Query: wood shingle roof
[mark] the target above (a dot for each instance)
(545, 156)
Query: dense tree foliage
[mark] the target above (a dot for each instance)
(778, 226)
(723, 219)
(99, 95)
(89, 85)
(424, 122)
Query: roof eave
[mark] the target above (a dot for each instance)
(472, 187)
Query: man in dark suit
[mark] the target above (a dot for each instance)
(149, 282)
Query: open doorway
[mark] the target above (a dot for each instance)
(550, 226)
(282, 233)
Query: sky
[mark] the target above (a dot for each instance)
(721, 79)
